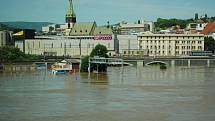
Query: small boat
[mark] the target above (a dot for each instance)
(61, 68)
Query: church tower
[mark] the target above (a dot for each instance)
(70, 15)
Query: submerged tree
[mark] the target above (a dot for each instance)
(98, 51)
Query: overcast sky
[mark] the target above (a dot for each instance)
(102, 11)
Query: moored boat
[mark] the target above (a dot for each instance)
(61, 67)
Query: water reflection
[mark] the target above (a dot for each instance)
(94, 78)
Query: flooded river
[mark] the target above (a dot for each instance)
(131, 94)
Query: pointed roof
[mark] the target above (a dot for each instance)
(70, 11)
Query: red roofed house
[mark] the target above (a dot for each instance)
(210, 29)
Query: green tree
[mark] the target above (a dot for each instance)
(85, 64)
(100, 51)
(167, 23)
(14, 54)
(209, 44)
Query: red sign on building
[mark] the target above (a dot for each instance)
(103, 37)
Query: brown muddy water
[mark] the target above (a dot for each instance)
(136, 94)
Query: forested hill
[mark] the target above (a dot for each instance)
(25, 25)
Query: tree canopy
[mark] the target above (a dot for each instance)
(100, 51)
(14, 54)
(167, 23)
(209, 44)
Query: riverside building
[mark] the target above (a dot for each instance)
(171, 44)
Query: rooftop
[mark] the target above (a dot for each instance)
(210, 27)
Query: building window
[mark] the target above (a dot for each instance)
(151, 52)
(124, 52)
(193, 47)
(199, 47)
(85, 30)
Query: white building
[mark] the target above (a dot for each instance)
(5, 38)
(171, 44)
(74, 46)
(196, 27)
(127, 42)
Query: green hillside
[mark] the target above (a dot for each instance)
(5, 27)
(26, 25)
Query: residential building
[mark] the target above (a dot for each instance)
(126, 28)
(209, 30)
(196, 27)
(171, 44)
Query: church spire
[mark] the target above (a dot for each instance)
(70, 15)
(70, 11)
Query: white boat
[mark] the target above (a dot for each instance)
(61, 67)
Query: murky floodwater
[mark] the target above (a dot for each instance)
(136, 94)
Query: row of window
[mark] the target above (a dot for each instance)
(159, 52)
(156, 47)
(177, 42)
(189, 47)
(170, 37)
(132, 52)
(188, 42)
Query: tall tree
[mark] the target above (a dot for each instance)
(209, 44)
(99, 51)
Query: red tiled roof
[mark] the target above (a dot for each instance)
(209, 28)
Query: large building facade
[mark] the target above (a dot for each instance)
(74, 46)
(171, 44)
